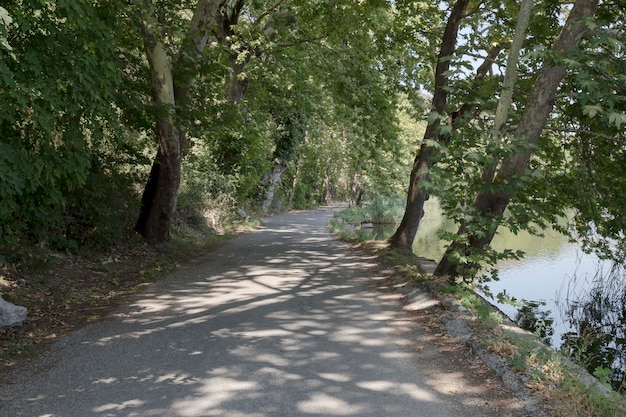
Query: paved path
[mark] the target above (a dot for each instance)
(284, 321)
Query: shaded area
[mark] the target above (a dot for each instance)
(598, 317)
(281, 322)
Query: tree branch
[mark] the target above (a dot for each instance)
(481, 72)
(267, 11)
(614, 139)
(448, 46)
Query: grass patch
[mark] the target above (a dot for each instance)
(548, 372)
(348, 233)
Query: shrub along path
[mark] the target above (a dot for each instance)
(284, 321)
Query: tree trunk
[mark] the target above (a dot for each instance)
(325, 197)
(237, 84)
(158, 202)
(159, 197)
(273, 181)
(489, 203)
(508, 84)
(417, 195)
(356, 189)
(294, 183)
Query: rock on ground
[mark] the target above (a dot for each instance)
(10, 314)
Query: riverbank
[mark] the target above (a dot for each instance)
(517, 356)
(571, 299)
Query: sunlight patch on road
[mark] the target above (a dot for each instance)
(251, 305)
(250, 354)
(119, 407)
(362, 337)
(110, 380)
(335, 377)
(298, 325)
(323, 404)
(279, 374)
(412, 390)
(212, 395)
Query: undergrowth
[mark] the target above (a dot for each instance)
(380, 210)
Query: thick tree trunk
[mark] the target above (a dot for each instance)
(417, 196)
(160, 194)
(489, 203)
(158, 202)
(273, 182)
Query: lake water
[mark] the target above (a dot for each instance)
(553, 272)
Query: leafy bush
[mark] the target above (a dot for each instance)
(355, 215)
(207, 198)
(381, 210)
(101, 213)
(387, 210)
(57, 93)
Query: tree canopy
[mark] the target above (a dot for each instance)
(187, 109)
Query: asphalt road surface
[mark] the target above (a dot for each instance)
(284, 321)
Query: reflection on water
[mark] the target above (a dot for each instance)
(533, 318)
(598, 319)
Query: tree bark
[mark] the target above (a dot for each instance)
(417, 195)
(356, 188)
(237, 85)
(159, 197)
(273, 182)
(294, 183)
(158, 202)
(326, 192)
(491, 202)
(508, 84)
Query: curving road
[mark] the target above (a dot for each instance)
(284, 321)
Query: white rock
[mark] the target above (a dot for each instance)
(11, 315)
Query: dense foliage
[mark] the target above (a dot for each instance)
(63, 151)
(297, 103)
(294, 83)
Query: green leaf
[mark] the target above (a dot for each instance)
(617, 119)
(592, 110)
